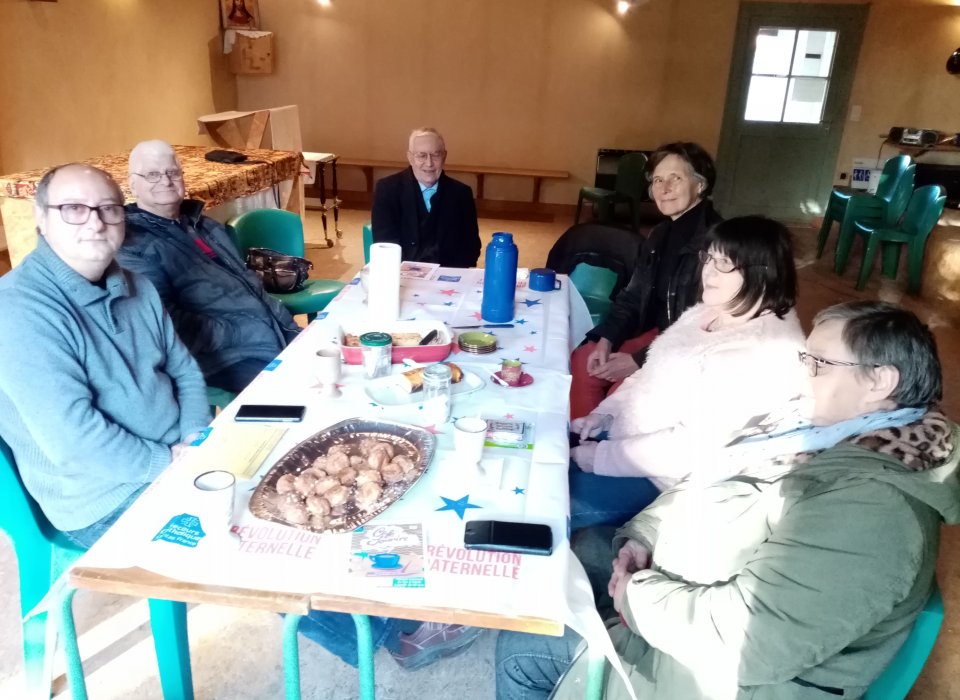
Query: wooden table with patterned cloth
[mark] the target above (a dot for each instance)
(212, 183)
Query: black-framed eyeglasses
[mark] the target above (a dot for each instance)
(154, 176)
(814, 364)
(721, 264)
(76, 213)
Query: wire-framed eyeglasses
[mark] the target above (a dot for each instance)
(76, 213)
(723, 265)
(814, 364)
(154, 176)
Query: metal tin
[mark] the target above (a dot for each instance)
(377, 353)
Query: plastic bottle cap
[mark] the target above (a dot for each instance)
(376, 339)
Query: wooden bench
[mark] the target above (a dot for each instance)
(367, 165)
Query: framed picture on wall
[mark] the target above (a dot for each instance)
(240, 14)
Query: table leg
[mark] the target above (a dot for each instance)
(480, 185)
(368, 176)
(168, 620)
(321, 168)
(291, 656)
(336, 200)
(78, 686)
(596, 664)
(364, 656)
(536, 189)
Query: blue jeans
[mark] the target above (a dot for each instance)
(606, 500)
(337, 633)
(236, 377)
(528, 666)
(90, 534)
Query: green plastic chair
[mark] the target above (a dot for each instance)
(630, 185)
(43, 554)
(595, 285)
(283, 231)
(367, 242)
(219, 398)
(893, 170)
(898, 678)
(923, 212)
(865, 209)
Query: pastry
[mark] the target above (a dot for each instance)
(412, 380)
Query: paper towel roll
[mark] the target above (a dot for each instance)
(383, 299)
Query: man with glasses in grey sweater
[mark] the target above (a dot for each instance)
(97, 393)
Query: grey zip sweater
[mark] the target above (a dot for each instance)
(95, 386)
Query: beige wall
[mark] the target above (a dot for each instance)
(902, 79)
(87, 77)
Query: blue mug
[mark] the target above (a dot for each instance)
(385, 561)
(543, 279)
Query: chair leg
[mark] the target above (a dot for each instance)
(36, 650)
(595, 673)
(824, 233)
(576, 217)
(866, 267)
(168, 620)
(291, 656)
(71, 649)
(844, 245)
(890, 253)
(311, 317)
(364, 656)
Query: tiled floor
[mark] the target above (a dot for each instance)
(236, 654)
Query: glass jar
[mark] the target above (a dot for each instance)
(436, 393)
(377, 349)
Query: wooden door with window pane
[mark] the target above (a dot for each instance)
(790, 79)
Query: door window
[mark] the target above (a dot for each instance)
(790, 75)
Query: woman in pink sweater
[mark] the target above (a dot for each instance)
(729, 358)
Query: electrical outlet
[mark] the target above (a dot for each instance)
(843, 176)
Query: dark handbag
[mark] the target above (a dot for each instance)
(220, 156)
(279, 273)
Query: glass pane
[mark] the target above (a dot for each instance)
(765, 99)
(814, 53)
(774, 51)
(805, 98)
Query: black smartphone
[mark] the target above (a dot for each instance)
(502, 536)
(249, 412)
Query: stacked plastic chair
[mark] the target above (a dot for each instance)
(881, 209)
(923, 212)
(630, 185)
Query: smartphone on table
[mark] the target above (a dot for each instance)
(504, 536)
(249, 412)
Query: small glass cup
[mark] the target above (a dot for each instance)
(511, 371)
(328, 371)
(436, 392)
(377, 349)
(469, 434)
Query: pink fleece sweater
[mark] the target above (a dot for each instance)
(695, 389)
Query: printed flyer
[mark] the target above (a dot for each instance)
(391, 556)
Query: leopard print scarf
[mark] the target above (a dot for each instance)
(922, 445)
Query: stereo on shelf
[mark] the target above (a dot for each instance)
(913, 137)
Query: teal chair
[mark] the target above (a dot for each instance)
(630, 185)
(43, 554)
(219, 398)
(923, 212)
(367, 242)
(898, 678)
(595, 285)
(283, 231)
(866, 205)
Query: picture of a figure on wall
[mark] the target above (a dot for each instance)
(240, 14)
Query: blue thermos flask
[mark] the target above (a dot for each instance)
(499, 279)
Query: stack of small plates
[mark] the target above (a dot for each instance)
(477, 343)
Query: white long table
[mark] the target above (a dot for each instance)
(519, 592)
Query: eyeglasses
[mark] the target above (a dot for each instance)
(814, 364)
(670, 181)
(424, 157)
(154, 176)
(76, 213)
(722, 265)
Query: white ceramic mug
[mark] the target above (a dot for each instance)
(469, 434)
(329, 371)
(214, 493)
